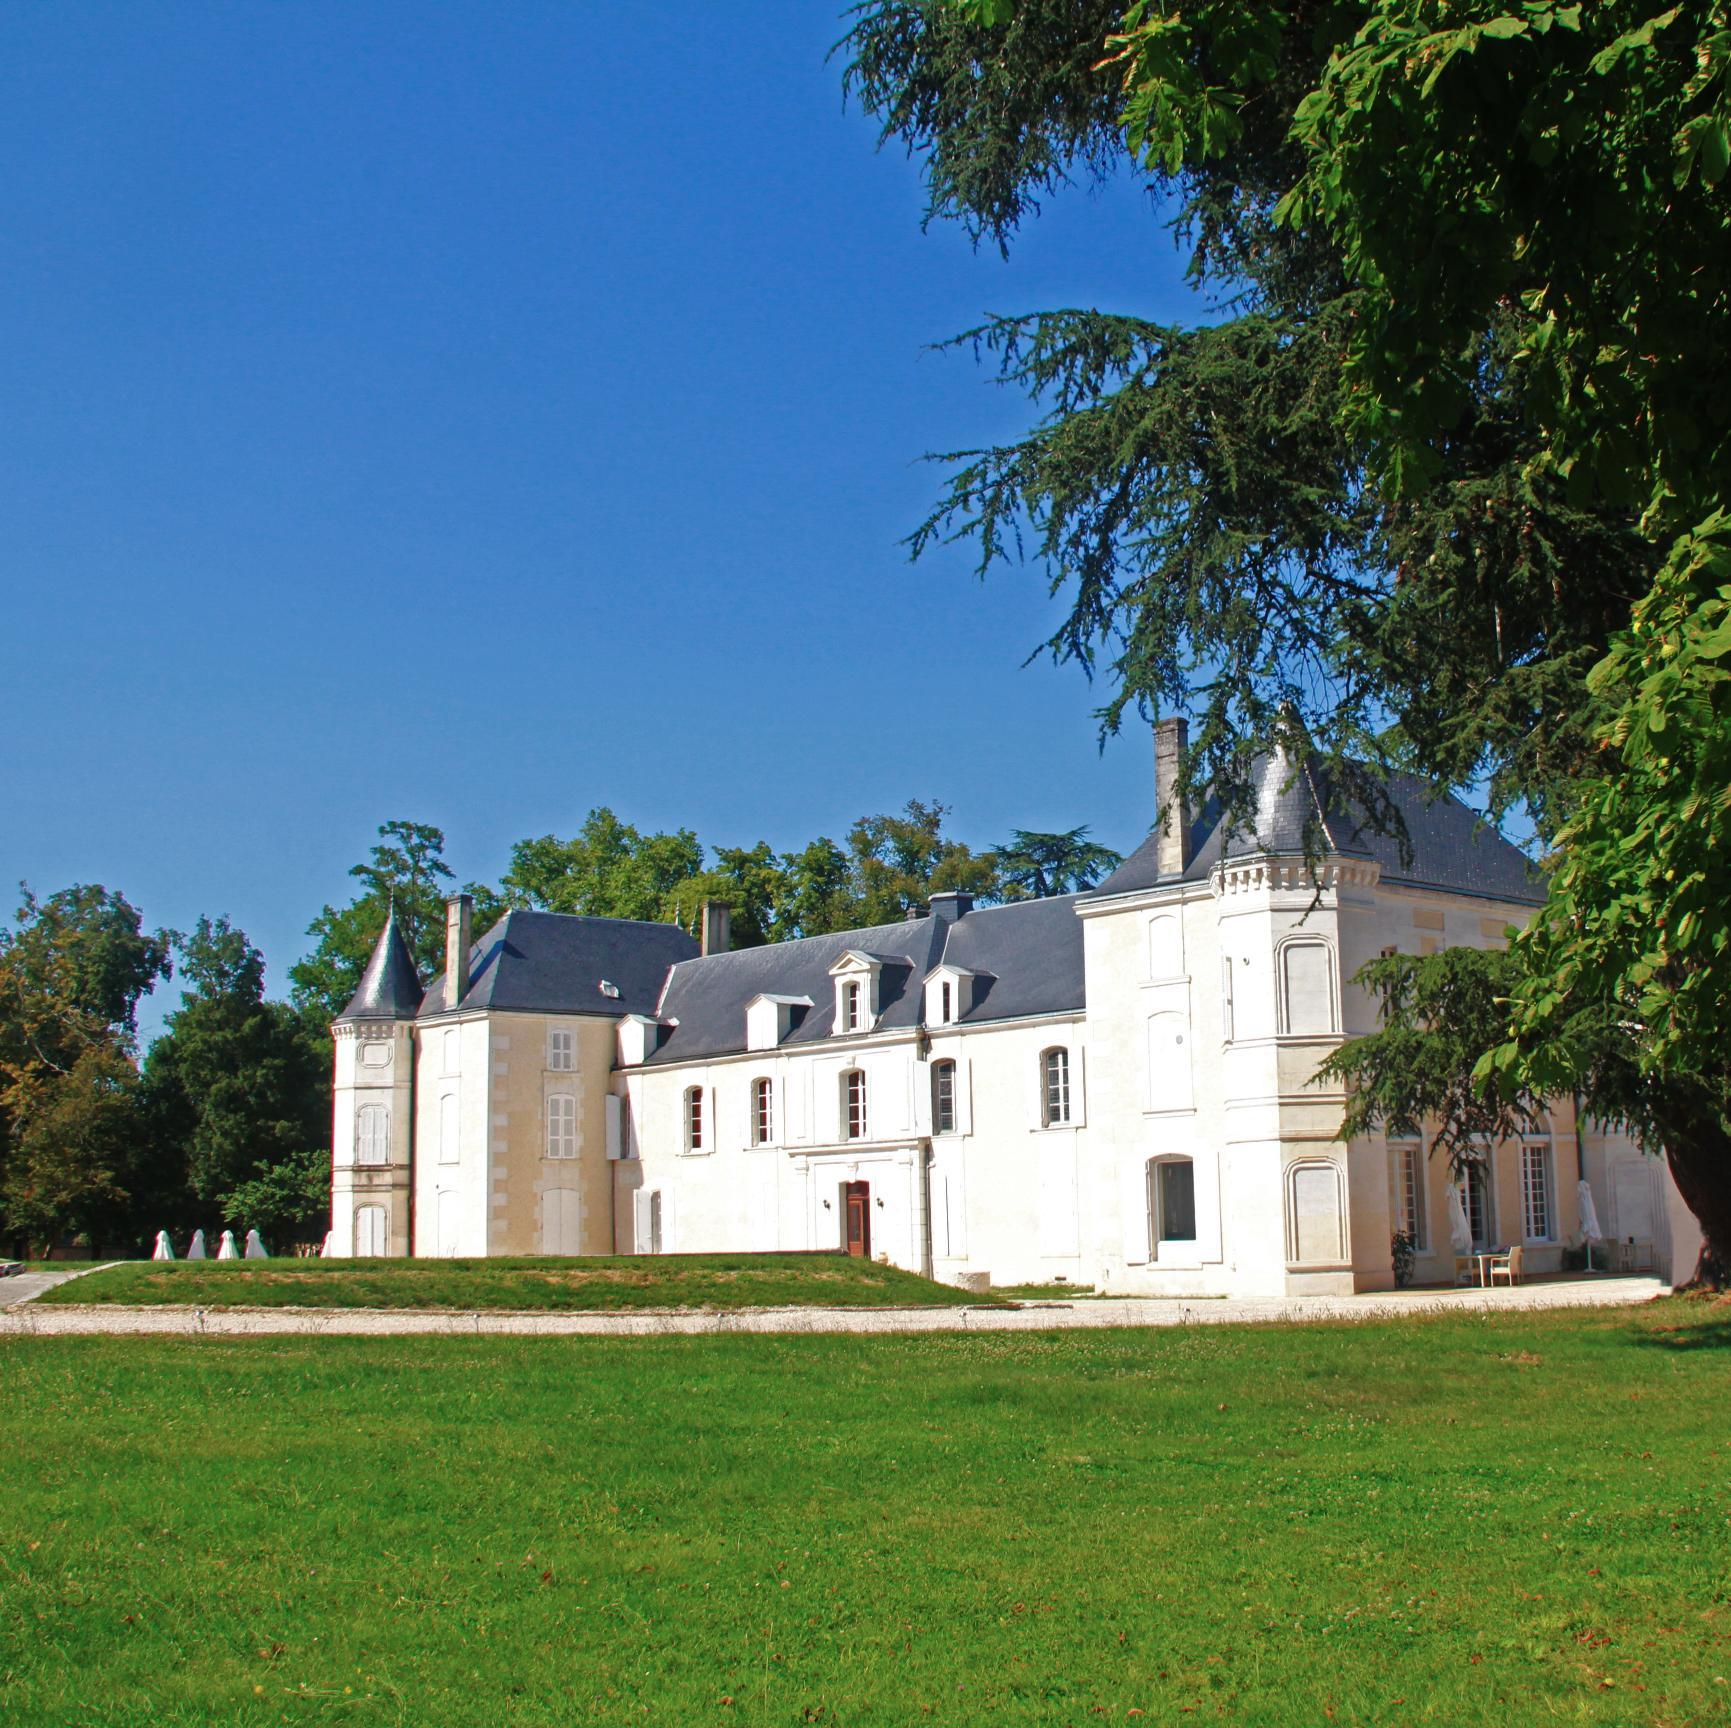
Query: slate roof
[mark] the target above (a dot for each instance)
(389, 989)
(555, 963)
(1032, 951)
(1453, 849)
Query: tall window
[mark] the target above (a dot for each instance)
(372, 1134)
(1171, 1201)
(694, 1119)
(448, 1128)
(1306, 988)
(1475, 1190)
(561, 1049)
(943, 1097)
(1408, 1196)
(1055, 1088)
(1536, 1205)
(850, 1008)
(944, 1014)
(853, 1084)
(561, 1126)
(762, 1112)
(369, 1231)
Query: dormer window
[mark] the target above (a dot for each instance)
(950, 992)
(946, 1005)
(850, 1005)
(856, 992)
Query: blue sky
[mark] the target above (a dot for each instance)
(477, 414)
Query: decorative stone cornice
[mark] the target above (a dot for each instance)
(1293, 874)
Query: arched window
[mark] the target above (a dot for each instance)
(1171, 1201)
(372, 1134)
(1055, 1087)
(1307, 996)
(943, 1097)
(853, 1105)
(448, 1128)
(762, 1112)
(370, 1240)
(561, 1126)
(1165, 946)
(850, 1006)
(694, 1119)
(1538, 1201)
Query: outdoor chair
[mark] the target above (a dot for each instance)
(1507, 1266)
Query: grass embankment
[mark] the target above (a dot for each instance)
(1458, 1521)
(708, 1281)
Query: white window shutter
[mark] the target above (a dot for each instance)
(1078, 1086)
(1133, 1198)
(964, 1096)
(669, 1224)
(640, 1220)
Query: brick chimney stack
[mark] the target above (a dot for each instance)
(459, 916)
(1171, 740)
(716, 927)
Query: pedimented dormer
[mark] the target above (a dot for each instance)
(950, 993)
(856, 975)
(769, 1019)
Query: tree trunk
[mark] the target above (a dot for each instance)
(1698, 1145)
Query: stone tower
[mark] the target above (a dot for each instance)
(372, 1129)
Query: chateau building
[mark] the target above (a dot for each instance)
(1114, 1088)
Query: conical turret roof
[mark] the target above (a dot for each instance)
(389, 990)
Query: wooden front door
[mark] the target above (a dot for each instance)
(859, 1219)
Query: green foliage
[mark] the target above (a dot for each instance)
(1396, 1521)
(1032, 866)
(407, 869)
(606, 870)
(896, 864)
(239, 1088)
(71, 976)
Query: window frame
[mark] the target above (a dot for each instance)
(944, 1118)
(852, 997)
(1538, 1147)
(1282, 986)
(1056, 1097)
(559, 1136)
(372, 1111)
(1408, 1201)
(763, 1111)
(561, 1042)
(691, 1120)
(855, 1120)
(1154, 1178)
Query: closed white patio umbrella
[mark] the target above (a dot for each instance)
(164, 1249)
(1460, 1231)
(1590, 1231)
(196, 1251)
(225, 1249)
(255, 1248)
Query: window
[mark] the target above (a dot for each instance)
(369, 1232)
(850, 1011)
(448, 1128)
(1171, 1201)
(1055, 1088)
(561, 1126)
(694, 1119)
(1306, 988)
(1314, 1214)
(1407, 1197)
(853, 1093)
(372, 1134)
(944, 1014)
(1536, 1208)
(448, 1050)
(762, 1112)
(943, 1097)
(561, 1049)
(1474, 1183)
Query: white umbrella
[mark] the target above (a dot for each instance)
(255, 1248)
(164, 1249)
(225, 1249)
(1590, 1231)
(325, 1246)
(196, 1251)
(1460, 1231)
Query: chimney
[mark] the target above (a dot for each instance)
(947, 908)
(716, 926)
(1171, 740)
(459, 913)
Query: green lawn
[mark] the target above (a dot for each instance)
(625, 1281)
(1466, 1520)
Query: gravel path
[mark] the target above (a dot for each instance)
(59, 1321)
